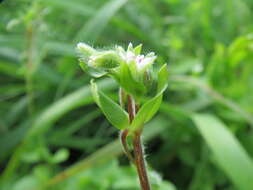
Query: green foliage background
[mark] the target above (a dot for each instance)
(52, 136)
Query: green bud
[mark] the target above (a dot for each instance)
(85, 49)
(105, 60)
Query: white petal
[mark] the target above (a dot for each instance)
(130, 56)
(145, 62)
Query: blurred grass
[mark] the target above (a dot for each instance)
(227, 150)
(208, 45)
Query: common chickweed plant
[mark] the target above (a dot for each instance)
(140, 94)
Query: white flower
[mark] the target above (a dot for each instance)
(141, 62)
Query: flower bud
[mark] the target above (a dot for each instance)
(85, 49)
(105, 60)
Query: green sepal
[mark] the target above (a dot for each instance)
(127, 81)
(105, 60)
(116, 115)
(94, 72)
(85, 50)
(137, 49)
(150, 108)
(94, 92)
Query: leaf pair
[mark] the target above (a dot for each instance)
(118, 117)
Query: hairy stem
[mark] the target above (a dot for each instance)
(138, 148)
(131, 108)
(140, 162)
(123, 139)
(124, 133)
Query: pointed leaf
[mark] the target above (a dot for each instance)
(112, 111)
(147, 111)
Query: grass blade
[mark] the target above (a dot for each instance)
(71, 6)
(215, 95)
(227, 150)
(64, 105)
(91, 30)
(45, 120)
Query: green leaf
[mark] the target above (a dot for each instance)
(60, 156)
(149, 109)
(112, 111)
(228, 152)
(162, 78)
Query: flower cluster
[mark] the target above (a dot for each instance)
(131, 69)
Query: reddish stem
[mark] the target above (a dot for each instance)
(131, 108)
(140, 162)
(138, 150)
(123, 138)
